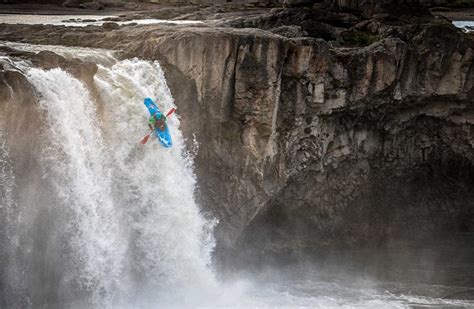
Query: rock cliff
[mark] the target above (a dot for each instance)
(320, 129)
(305, 145)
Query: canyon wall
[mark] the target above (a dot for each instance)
(334, 130)
(305, 145)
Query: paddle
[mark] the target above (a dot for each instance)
(170, 112)
(145, 139)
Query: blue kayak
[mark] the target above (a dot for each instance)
(163, 136)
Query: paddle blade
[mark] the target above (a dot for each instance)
(145, 139)
(171, 111)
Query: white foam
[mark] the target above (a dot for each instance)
(76, 163)
(467, 26)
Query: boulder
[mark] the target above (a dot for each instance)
(110, 26)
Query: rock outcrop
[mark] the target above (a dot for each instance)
(350, 138)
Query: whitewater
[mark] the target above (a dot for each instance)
(121, 227)
(126, 218)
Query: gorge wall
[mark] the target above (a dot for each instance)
(309, 146)
(321, 129)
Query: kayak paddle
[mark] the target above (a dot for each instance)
(170, 112)
(145, 139)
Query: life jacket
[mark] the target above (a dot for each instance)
(158, 123)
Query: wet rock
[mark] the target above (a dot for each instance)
(83, 70)
(110, 26)
(14, 87)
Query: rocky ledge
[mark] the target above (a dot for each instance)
(319, 127)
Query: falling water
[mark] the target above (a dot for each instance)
(8, 220)
(76, 162)
(128, 228)
(171, 241)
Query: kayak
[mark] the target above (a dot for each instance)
(163, 136)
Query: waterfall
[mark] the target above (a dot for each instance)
(77, 165)
(123, 228)
(10, 273)
(171, 240)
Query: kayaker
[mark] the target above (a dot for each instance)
(158, 121)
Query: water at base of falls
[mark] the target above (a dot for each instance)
(119, 226)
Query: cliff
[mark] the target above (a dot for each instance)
(307, 145)
(321, 128)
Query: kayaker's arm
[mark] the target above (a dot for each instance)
(151, 122)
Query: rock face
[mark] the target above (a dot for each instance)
(312, 146)
(308, 141)
(307, 145)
